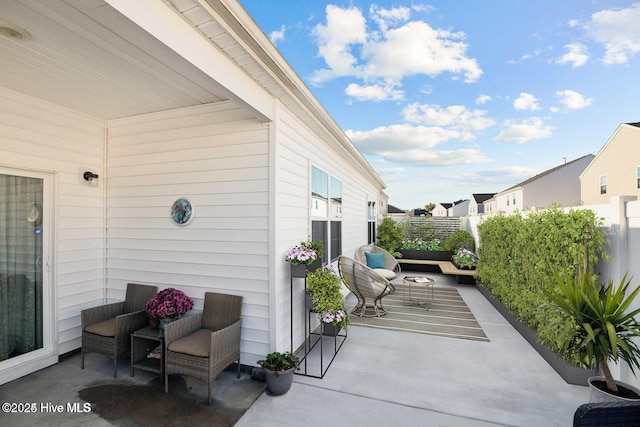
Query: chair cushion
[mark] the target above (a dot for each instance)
(106, 328)
(387, 274)
(375, 260)
(197, 344)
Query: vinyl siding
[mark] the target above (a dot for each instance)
(38, 136)
(217, 156)
(298, 149)
(618, 160)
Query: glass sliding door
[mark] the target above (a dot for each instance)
(21, 264)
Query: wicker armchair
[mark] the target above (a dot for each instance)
(367, 285)
(203, 345)
(392, 266)
(607, 414)
(107, 329)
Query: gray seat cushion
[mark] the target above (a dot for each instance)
(387, 274)
(196, 344)
(105, 329)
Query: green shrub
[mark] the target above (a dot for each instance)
(390, 235)
(459, 239)
(518, 255)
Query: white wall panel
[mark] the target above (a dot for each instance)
(217, 156)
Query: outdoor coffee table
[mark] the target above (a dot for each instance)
(418, 291)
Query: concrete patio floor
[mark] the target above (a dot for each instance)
(383, 378)
(378, 378)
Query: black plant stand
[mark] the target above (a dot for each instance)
(312, 354)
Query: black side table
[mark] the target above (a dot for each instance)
(143, 342)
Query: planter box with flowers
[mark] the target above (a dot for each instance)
(324, 286)
(464, 259)
(423, 250)
(307, 256)
(167, 305)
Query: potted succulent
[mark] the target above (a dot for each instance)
(595, 324)
(279, 369)
(324, 287)
(305, 256)
(167, 305)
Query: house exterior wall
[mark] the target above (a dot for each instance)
(218, 157)
(439, 210)
(490, 206)
(297, 150)
(474, 207)
(618, 160)
(38, 136)
(510, 201)
(560, 187)
(461, 209)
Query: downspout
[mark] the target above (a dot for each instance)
(103, 182)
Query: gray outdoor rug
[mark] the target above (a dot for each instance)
(447, 316)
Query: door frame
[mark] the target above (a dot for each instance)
(27, 363)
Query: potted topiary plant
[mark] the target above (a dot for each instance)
(279, 369)
(595, 324)
(324, 287)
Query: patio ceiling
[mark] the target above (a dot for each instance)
(86, 56)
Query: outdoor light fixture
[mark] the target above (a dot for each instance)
(89, 176)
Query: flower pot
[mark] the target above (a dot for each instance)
(300, 270)
(330, 330)
(279, 382)
(308, 302)
(154, 323)
(598, 395)
(426, 255)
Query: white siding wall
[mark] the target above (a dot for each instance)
(40, 136)
(560, 187)
(297, 150)
(217, 156)
(618, 160)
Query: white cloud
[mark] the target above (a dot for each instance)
(386, 172)
(618, 31)
(401, 137)
(373, 92)
(527, 130)
(573, 100)
(344, 28)
(423, 158)
(483, 99)
(397, 49)
(576, 56)
(526, 101)
(453, 116)
(386, 17)
(277, 35)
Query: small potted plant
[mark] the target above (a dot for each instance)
(324, 287)
(465, 259)
(596, 325)
(167, 305)
(279, 369)
(305, 256)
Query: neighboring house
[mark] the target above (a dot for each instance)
(476, 203)
(460, 208)
(441, 209)
(160, 100)
(490, 206)
(615, 171)
(420, 212)
(559, 185)
(394, 211)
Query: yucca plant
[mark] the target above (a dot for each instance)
(594, 320)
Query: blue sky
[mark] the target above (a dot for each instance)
(450, 98)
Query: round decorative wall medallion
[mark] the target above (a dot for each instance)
(182, 212)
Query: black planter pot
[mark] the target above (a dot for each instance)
(330, 330)
(571, 374)
(300, 270)
(426, 255)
